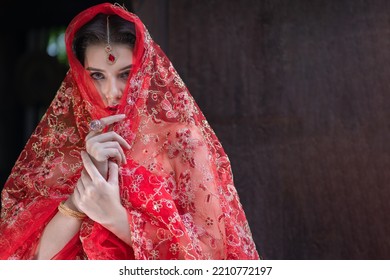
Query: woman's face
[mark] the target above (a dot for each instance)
(110, 79)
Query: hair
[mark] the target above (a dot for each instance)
(95, 32)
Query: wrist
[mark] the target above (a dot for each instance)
(66, 211)
(71, 205)
(119, 225)
(116, 218)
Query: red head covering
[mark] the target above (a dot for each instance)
(177, 184)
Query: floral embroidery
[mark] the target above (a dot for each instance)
(174, 248)
(154, 255)
(157, 206)
(62, 102)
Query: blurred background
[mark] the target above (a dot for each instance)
(297, 92)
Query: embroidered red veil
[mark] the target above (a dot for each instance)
(177, 184)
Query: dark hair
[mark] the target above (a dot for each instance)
(95, 32)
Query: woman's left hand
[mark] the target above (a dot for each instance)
(103, 146)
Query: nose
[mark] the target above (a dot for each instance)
(113, 92)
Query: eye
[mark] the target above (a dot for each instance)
(97, 76)
(124, 75)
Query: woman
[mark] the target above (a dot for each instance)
(123, 165)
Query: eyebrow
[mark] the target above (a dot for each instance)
(100, 70)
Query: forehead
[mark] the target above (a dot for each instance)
(96, 56)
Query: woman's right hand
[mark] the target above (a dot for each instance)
(99, 198)
(104, 146)
(96, 196)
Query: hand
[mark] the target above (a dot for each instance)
(95, 196)
(107, 145)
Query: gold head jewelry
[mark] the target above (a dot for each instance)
(111, 58)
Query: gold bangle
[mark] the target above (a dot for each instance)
(69, 212)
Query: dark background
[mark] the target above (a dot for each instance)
(297, 92)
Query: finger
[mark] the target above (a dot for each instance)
(106, 121)
(111, 136)
(91, 169)
(113, 172)
(85, 179)
(92, 134)
(80, 186)
(113, 154)
(112, 119)
(103, 151)
(115, 145)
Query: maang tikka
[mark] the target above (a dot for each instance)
(111, 58)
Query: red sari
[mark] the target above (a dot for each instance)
(177, 185)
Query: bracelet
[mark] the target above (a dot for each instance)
(69, 212)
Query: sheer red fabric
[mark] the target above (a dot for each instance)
(177, 184)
